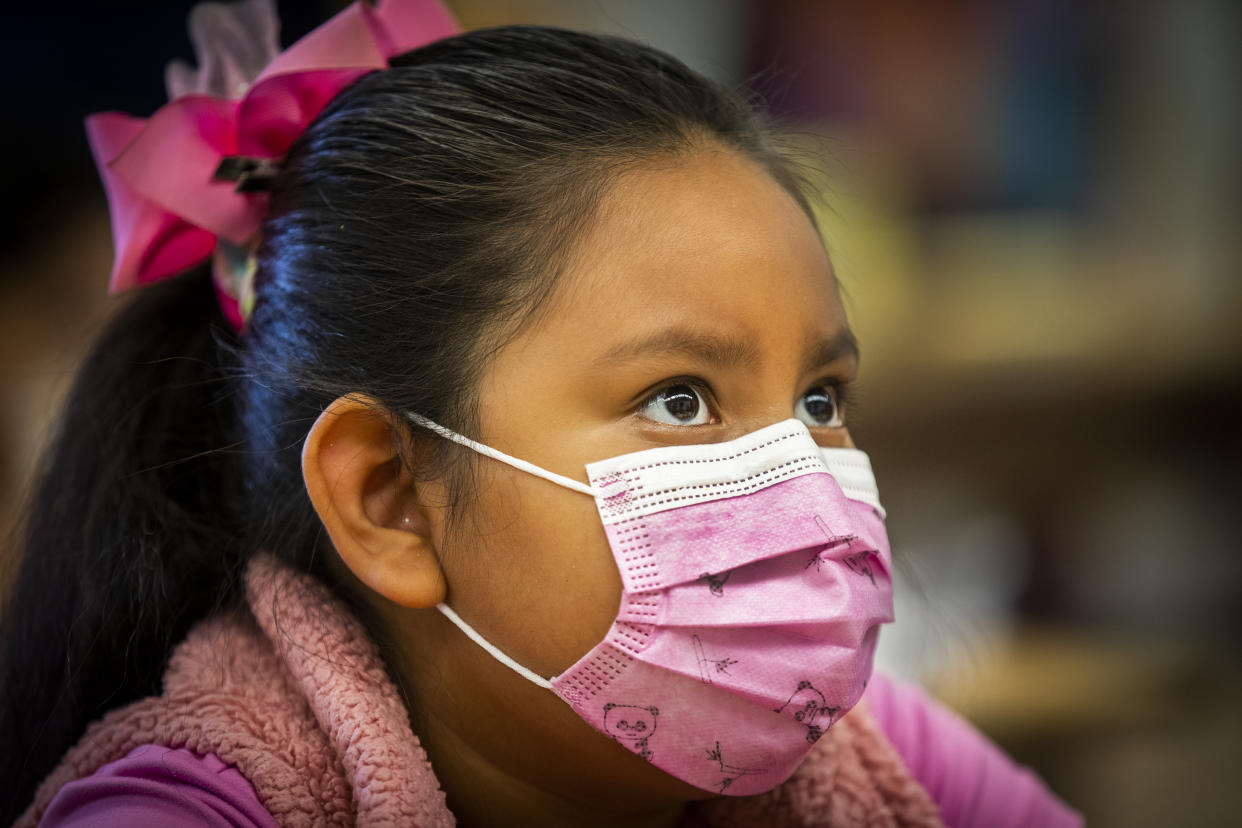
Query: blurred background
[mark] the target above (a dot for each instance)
(1033, 209)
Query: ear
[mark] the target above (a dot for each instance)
(366, 499)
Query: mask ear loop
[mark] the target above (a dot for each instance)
(474, 636)
(529, 468)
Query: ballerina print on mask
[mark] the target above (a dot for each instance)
(818, 558)
(707, 666)
(858, 562)
(716, 581)
(731, 772)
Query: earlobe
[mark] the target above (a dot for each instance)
(368, 504)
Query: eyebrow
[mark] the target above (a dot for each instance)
(722, 351)
(840, 346)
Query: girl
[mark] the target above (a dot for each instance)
(487, 460)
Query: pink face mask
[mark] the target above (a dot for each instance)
(756, 575)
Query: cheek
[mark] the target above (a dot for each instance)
(533, 564)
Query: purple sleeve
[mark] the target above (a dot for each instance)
(972, 781)
(155, 785)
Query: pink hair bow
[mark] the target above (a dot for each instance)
(247, 103)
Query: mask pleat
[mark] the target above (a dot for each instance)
(808, 514)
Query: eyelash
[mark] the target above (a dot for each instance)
(845, 391)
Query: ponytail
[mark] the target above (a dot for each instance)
(128, 537)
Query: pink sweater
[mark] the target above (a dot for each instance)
(284, 715)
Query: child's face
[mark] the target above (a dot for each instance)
(703, 277)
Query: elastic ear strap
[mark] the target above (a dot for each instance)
(488, 451)
(534, 678)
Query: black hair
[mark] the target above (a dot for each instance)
(420, 219)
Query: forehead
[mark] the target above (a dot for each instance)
(709, 239)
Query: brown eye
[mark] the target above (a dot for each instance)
(680, 404)
(820, 408)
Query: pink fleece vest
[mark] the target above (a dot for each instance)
(293, 692)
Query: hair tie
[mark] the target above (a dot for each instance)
(189, 183)
(252, 175)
